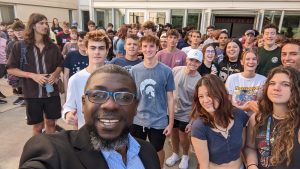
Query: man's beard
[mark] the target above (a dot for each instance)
(99, 143)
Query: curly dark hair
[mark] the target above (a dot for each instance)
(284, 141)
(217, 91)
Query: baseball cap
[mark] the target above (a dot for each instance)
(195, 54)
(250, 32)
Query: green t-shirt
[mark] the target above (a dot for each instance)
(268, 60)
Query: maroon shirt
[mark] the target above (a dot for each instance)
(172, 59)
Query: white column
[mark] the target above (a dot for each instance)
(261, 20)
(113, 17)
(185, 18)
(91, 10)
(281, 21)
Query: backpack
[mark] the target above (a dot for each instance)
(14, 81)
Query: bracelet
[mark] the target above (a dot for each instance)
(251, 165)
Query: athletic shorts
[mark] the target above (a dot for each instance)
(155, 136)
(36, 108)
(180, 124)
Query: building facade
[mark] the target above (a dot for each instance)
(234, 15)
(64, 10)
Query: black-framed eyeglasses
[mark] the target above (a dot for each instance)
(100, 96)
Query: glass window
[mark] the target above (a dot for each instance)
(7, 13)
(272, 17)
(291, 25)
(194, 18)
(157, 17)
(177, 16)
(136, 17)
(103, 17)
(85, 19)
(119, 18)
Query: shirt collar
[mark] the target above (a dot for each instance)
(133, 149)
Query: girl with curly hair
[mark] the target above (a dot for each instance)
(273, 133)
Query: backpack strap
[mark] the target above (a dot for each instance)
(23, 59)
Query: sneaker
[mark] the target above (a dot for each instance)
(22, 102)
(3, 101)
(172, 160)
(184, 163)
(19, 101)
(2, 95)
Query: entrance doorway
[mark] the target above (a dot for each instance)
(141, 15)
(236, 26)
(85, 19)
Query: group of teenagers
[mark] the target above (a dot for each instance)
(233, 116)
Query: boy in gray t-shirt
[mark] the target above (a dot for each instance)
(155, 85)
(186, 78)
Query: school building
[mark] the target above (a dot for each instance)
(234, 15)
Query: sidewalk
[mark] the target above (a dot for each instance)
(7, 91)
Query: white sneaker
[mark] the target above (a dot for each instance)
(172, 160)
(184, 163)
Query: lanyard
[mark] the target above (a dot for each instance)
(268, 134)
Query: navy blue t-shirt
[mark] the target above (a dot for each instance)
(75, 62)
(123, 62)
(220, 149)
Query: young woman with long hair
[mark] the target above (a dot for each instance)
(55, 26)
(273, 134)
(118, 43)
(246, 87)
(218, 128)
(231, 63)
(207, 67)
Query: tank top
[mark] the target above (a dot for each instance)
(262, 147)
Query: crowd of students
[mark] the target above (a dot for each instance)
(235, 100)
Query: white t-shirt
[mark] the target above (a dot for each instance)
(76, 86)
(244, 89)
(187, 49)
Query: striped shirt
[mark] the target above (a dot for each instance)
(114, 159)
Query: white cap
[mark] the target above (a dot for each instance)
(195, 54)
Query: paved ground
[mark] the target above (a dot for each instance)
(14, 132)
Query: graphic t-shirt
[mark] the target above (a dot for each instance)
(172, 59)
(122, 61)
(268, 60)
(69, 47)
(76, 62)
(244, 89)
(152, 87)
(227, 68)
(262, 146)
(62, 39)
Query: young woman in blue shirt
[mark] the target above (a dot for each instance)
(218, 129)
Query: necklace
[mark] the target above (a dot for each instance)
(224, 131)
(279, 117)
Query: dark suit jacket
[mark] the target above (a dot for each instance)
(72, 150)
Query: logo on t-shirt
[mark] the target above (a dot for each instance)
(147, 88)
(274, 59)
